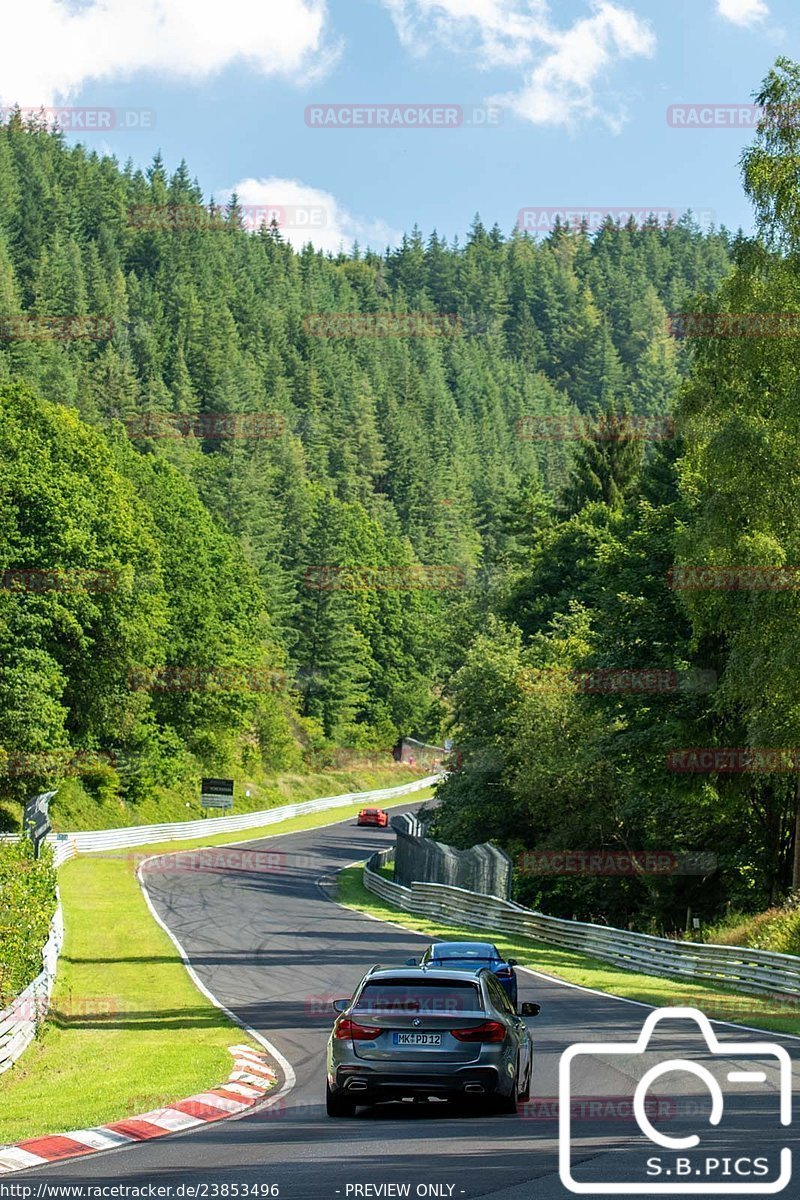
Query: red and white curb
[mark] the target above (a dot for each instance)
(249, 1081)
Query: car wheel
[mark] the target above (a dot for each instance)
(508, 1104)
(338, 1106)
(524, 1096)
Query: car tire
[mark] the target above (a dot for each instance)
(338, 1106)
(508, 1104)
(525, 1095)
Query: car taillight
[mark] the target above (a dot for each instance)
(504, 973)
(351, 1029)
(489, 1031)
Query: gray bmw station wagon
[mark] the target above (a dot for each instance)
(425, 1032)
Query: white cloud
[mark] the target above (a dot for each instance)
(50, 49)
(501, 32)
(307, 214)
(743, 12)
(562, 68)
(561, 89)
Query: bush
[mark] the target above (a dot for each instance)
(776, 929)
(27, 904)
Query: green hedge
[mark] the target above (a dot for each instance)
(27, 904)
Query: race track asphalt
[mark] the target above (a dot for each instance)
(268, 940)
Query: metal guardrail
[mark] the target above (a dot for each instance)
(67, 845)
(19, 1021)
(735, 967)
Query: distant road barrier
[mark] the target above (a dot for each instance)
(735, 967)
(67, 845)
(20, 1020)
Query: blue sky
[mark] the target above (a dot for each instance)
(575, 94)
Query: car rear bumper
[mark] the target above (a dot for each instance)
(371, 1084)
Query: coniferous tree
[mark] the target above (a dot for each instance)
(607, 462)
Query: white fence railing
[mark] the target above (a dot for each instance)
(734, 967)
(67, 845)
(18, 1022)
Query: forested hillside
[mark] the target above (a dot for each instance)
(684, 569)
(380, 454)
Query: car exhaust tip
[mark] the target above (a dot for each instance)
(474, 1089)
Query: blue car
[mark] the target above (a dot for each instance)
(463, 955)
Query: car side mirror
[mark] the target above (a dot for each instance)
(341, 1005)
(512, 962)
(412, 962)
(530, 1010)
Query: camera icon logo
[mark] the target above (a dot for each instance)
(684, 1166)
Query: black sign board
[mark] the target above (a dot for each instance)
(216, 793)
(36, 819)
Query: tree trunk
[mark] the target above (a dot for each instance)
(796, 862)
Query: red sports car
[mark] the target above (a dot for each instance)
(373, 816)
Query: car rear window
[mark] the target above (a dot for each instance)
(461, 953)
(465, 963)
(428, 996)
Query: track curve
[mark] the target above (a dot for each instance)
(268, 942)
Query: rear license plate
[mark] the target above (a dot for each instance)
(416, 1039)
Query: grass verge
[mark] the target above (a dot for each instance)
(762, 1012)
(127, 1030)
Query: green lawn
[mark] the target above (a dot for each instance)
(128, 1031)
(761, 1012)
